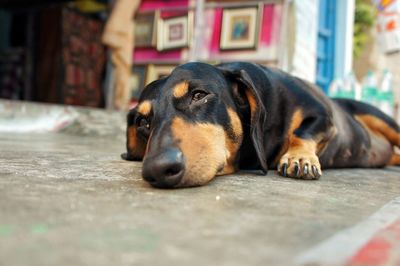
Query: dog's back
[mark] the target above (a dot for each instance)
(364, 135)
(372, 133)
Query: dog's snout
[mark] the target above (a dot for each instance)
(165, 169)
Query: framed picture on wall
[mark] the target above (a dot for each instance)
(155, 72)
(137, 80)
(174, 32)
(146, 30)
(240, 28)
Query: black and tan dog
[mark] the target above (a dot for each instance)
(204, 120)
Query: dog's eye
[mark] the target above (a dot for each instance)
(144, 123)
(198, 95)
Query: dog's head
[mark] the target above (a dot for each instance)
(189, 127)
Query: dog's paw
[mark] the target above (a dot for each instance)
(303, 166)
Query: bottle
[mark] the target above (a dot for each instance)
(369, 89)
(385, 94)
(347, 89)
(355, 87)
(352, 88)
(335, 88)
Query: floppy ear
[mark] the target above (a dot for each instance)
(250, 83)
(135, 144)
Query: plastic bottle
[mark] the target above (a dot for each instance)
(356, 87)
(385, 93)
(369, 89)
(347, 89)
(335, 88)
(352, 88)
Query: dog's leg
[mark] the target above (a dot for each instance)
(395, 160)
(380, 127)
(300, 160)
(306, 137)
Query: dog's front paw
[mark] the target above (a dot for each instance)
(297, 165)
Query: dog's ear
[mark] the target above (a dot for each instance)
(135, 144)
(246, 93)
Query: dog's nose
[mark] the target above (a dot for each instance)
(165, 169)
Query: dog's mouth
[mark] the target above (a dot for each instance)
(172, 169)
(191, 154)
(221, 168)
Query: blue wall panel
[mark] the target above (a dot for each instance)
(326, 43)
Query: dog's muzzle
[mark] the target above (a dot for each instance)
(164, 169)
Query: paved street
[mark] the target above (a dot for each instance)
(70, 200)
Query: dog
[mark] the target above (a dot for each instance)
(203, 121)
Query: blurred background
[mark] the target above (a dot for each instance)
(101, 53)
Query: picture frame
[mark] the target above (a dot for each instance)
(174, 32)
(146, 30)
(155, 72)
(137, 80)
(240, 28)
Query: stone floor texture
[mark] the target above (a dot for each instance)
(66, 198)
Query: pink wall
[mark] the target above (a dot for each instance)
(267, 38)
(156, 4)
(144, 55)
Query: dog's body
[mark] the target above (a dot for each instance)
(205, 120)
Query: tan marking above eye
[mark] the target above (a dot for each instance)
(181, 89)
(144, 108)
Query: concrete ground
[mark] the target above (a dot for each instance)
(68, 199)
